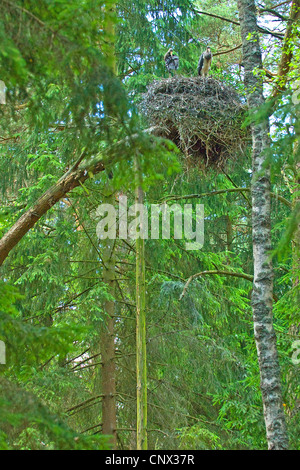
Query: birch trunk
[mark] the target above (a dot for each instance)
(262, 296)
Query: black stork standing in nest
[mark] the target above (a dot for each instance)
(171, 61)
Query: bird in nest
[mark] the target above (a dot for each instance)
(171, 61)
(205, 63)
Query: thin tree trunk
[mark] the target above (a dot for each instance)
(294, 330)
(296, 207)
(229, 233)
(141, 354)
(107, 346)
(262, 296)
(287, 49)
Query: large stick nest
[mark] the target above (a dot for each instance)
(202, 116)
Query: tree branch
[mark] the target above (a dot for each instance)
(229, 20)
(210, 273)
(217, 16)
(73, 178)
(229, 50)
(224, 191)
(83, 403)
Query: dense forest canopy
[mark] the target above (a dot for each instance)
(136, 343)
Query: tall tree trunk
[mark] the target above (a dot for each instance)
(141, 357)
(107, 345)
(107, 337)
(296, 207)
(263, 271)
(229, 233)
(287, 49)
(105, 377)
(293, 378)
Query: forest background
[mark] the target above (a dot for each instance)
(72, 137)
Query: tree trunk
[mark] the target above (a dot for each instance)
(107, 336)
(141, 354)
(107, 346)
(229, 233)
(287, 49)
(296, 208)
(294, 330)
(262, 296)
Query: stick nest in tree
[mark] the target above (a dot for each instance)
(202, 116)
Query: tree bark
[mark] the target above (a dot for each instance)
(229, 233)
(262, 296)
(107, 346)
(107, 337)
(141, 353)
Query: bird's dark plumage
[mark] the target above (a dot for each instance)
(200, 64)
(171, 61)
(204, 63)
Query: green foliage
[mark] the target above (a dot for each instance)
(63, 100)
(198, 438)
(26, 424)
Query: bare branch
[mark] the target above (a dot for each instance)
(229, 20)
(228, 51)
(212, 273)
